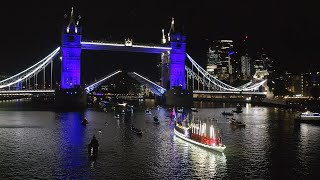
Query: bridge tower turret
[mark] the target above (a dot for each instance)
(177, 95)
(71, 94)
(71, 53)
(178, 57)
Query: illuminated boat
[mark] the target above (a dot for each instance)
(197, 133)
(308, 116)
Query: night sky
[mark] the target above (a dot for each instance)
(288, 31)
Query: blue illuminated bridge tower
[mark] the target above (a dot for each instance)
(177, 94)
(71, 93)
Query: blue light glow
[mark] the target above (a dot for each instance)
(71, 58)
(231, 52)
(178, 56)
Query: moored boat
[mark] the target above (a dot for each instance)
(308, 116)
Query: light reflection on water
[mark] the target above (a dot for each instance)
(47, 144)
(209, 162)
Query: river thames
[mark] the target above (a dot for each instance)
(45, 144)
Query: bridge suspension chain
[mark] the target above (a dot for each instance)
(216, 84)
(223, 86)
(29, 72)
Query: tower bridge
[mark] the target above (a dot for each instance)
(180, 74)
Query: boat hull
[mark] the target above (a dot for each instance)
(308, 117)
(309, 120)
(216, 148)
(137, 132)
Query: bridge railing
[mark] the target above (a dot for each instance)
(123, 43)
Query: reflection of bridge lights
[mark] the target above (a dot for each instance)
(211, 160)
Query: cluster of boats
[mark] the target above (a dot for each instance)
(185, 127)
(233, 121)
(237, 110)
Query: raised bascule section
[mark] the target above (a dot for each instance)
(178, 81)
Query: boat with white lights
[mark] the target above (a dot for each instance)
(308, 116)
(196, 132)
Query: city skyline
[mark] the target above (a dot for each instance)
(288, 33)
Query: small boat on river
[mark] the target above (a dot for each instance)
(237, 123)
(93, 148)
(308, 117)
(136, 130)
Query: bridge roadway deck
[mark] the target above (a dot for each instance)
(156, 49)
(230, 92)
(31, 91)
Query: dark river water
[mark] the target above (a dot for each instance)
(44, 144)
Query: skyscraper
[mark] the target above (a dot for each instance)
(218, 63)
(246, 66)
